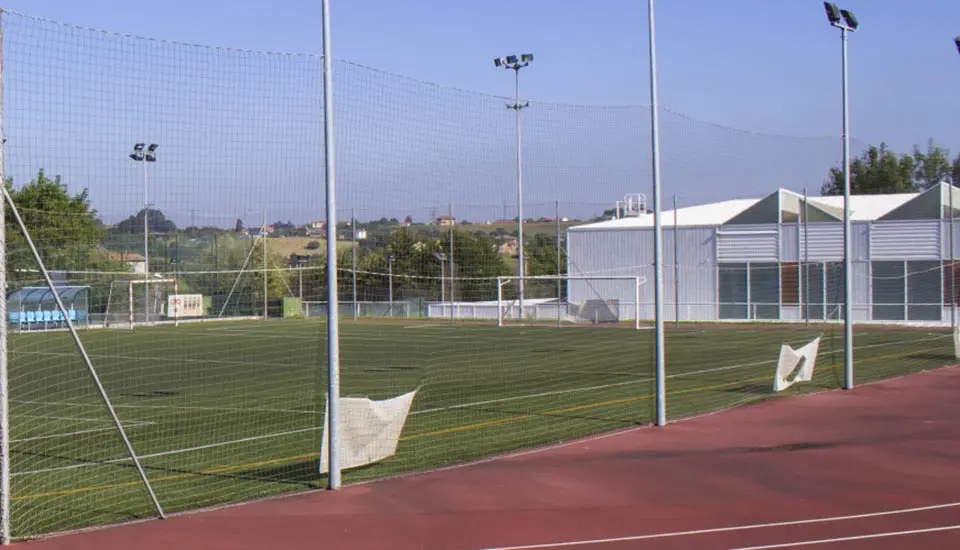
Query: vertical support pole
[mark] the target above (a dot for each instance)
(146, 245)
(847, 237)
(521, 256)
(676, 263)
(452, 278)
(4, 365)
(636, 303)
(176, 292)
(333, 327)
(390, 283)
(263, 238)
(953, 270)
(130, 302)
(353, 260)
(556, 214)
(803, 274)
(499, 302)
(657, 225)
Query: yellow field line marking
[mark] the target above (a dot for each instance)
(424, 435)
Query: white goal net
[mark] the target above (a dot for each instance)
(580, 300)
(139, 301)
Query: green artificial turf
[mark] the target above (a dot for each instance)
(228, 411)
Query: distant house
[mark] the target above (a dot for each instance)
(136, 263)
(361, 234)
(315, 227)
(257, 231)
(445, 221)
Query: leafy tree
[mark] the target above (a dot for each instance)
(878, 170)
(541, 256)
(64, 227)
(933, 166)
(477, 263)
(239, 226)
(955, 173)
(134, 224)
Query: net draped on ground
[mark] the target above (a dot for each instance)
(222, 405)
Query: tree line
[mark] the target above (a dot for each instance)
(879, 170)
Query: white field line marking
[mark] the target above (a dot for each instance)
(147, 357)
(130, 424)
(315, 428)
(71, 418)
(167, 453)
(163, 407)
(671, 534)
(855, 537)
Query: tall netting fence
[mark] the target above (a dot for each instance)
(148, 247)
(194, 274)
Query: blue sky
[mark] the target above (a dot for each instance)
(767, 67)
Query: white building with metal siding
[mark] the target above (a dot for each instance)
(780, 258)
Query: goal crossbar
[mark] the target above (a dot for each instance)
(637, 281)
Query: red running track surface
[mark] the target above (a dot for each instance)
(787, 473)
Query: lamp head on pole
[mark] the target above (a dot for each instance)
(956, 42)
(842, 19)
(151, 154)
(514, 62)
(137, 153)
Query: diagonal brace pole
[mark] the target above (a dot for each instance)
(82, 350)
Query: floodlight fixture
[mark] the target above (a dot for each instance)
(151, 154)
(514, 62)
(833, 12)
(850, 19)
(842, 19)
(956, 42)
(137, 153)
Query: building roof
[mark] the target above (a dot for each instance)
(862, 208)
(866, 207)
(716, 213)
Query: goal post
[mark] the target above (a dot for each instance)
(588, 299)
(127, 305)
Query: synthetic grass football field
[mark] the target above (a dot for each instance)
(226, 411)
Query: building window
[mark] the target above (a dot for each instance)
(764, 291)
(951, 284)
(889, 291)
(732, 283)
(924, 291)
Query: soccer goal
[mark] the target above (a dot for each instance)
(139, 301)
(578, 300)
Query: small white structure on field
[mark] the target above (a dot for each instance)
(796, 362)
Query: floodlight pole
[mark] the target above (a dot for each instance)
(263, 237)
(390, 282)
(846, 22)
(515, 64)
(333, 329)
(660, 360)
(139, 155)
(146, 246)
